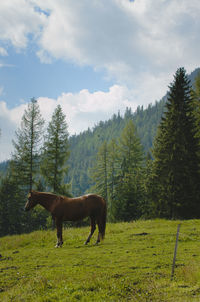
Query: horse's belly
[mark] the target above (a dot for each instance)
(73, 217)
(74, 214)
(77, 217)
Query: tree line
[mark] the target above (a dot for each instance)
(135, 181)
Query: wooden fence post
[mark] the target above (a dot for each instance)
(175, 251)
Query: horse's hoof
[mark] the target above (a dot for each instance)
(59, 244)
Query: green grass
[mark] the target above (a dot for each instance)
(132, 264)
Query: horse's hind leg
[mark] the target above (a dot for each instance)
(99, 233)
(59, 233)
(93, 228)
(98, 238)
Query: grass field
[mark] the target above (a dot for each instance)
(132, 264)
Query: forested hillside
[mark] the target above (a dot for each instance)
(83, 151)
(83, 147)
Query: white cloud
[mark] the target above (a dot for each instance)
(18, 19)
(9, 121)
(127, 39)
(124, 37)
(3, 52)
(5, 65)
(82, 110)
(131, 41)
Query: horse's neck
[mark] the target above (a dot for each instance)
(46, 200)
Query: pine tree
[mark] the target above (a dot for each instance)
(12, 218)
(99, 172)
(148, 188)
(113, 172)
(175, 166)
(56, 153)
(25, 159)
(129, 189)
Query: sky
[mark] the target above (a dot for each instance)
(94, 58)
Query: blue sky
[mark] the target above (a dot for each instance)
(93, 58)
(24, 77)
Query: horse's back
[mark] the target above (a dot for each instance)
(83, 206)
(94, 199)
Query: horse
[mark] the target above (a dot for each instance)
(71, 209)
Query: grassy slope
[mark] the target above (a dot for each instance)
(128, 266)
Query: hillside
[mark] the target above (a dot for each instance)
(83, 147)
(132, 264)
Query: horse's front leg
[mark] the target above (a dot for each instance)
(59, 232)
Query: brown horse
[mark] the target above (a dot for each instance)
(71, 209)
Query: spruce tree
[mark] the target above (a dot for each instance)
(13, 219)
(147, 184)
(25, 159)
(56, 153)
(99, 172)
(113, 173)
(175, 168)
(129, 189)
(104, 174)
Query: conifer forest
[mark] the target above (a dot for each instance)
(145, 164)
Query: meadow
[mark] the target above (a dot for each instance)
(133, 263)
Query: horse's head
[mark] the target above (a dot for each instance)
(31, 203)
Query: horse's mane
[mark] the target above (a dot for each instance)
(44, 193)
(49, 195)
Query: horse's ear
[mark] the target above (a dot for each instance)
(30, 193)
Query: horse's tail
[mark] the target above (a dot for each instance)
(103, 220)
